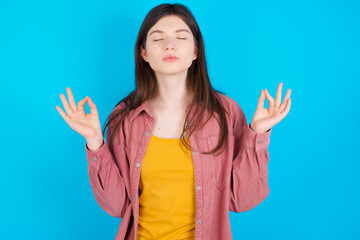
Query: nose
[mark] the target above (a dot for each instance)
(169, 45)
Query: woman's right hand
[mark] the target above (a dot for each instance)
(87, 125)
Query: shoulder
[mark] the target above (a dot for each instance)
(236, 116)
(230, 105)
(115, 113)
(118, 106)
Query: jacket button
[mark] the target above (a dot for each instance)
(198, 221)
(137, 164)
(198, 188)
(94, 159)
(133, 197)
(190, 123)
(195, 153)
(260, 141)
(147, 133)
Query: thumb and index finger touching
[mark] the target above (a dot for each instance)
(261, 100)
(81, 105)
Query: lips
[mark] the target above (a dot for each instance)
(170, 58)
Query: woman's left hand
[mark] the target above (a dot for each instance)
(263, 118)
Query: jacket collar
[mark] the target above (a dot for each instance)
(145, 107)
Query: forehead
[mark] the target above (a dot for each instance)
(169, 24)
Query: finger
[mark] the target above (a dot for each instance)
(287, 96)
(287, 108)
(71, 99)
(64, 116)
(67, 107)
(278, 95)
(81, 105)
(269, 98)
(92, 106)
(261, 100)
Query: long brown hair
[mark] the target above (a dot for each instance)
(197, 82)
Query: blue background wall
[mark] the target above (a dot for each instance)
(310, 46)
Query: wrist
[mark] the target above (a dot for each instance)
(95, 143)
(257, 131)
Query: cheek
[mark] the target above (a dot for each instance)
(152, 54)
(191, 48)
(151, 50)
(190, 52)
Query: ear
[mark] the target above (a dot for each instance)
(195, 53)
(143, 54)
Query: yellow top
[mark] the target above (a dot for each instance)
(167, 191)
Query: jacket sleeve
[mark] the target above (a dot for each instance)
(249, 174)
(106, 181)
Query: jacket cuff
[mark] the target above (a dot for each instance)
(255, 140)
(94, 157)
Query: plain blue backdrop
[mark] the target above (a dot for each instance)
(310, 46)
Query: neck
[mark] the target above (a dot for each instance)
(172, 91)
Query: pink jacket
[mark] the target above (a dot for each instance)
(236, 180)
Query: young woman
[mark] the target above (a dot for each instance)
(179, 155)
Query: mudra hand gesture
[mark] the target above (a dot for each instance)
(87, 125)
(263, 118)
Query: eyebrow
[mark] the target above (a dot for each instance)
(179, 30)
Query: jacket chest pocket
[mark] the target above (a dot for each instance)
(220, 164)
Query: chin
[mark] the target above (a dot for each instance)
(170, 70)
(173, 72)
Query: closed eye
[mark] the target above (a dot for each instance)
(162, 39)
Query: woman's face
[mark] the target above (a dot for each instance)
(169, 36)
